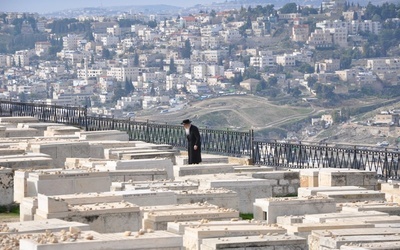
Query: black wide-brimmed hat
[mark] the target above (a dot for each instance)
(186, 121)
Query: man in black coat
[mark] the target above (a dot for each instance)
(194, 142)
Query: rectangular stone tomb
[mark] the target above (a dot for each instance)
(92, 240)
(18, 119)
(206, 158)
(60, 151)
(213, 168)
(248, 190)
(321, 218)
(60, 203)
(21, 183)
(287, 182)
(193, 236)
(138, 175)
(25, 161)
(41, 226)
(164, 185)
(67, 182)
(312, 191)
(217, 196)
(347, 177)
(165, 164)
(390, 219)
(41, 127)
(21, 132)
(179, 227)
(353, 196)
(103, 135)
(159, 220)
(116, 154)
(106, 217)
(58, 130)
(256, 243)
(270, 209)
(304, 229)
(387, 207)
(150, 155)
(336, 238)
(244, 169)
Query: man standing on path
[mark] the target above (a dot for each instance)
(194, 142)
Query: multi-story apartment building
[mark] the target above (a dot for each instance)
(320, 39)
(300, 33)
(70, 42)
(327, 66)
(265, 59)
(42, 48)
(286, 60)
(123, 73)
(21, 58)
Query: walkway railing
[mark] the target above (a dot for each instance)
(233, 143)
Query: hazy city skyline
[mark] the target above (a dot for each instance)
(46, 6)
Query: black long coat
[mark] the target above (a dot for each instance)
(194, 156)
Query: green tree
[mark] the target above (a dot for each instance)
(187, 50)
(289, 8)
(128, 87)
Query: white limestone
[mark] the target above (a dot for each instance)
(284, 242)
(270, 209)
(26, 161)
(60, 151)
(103, 135)
(347, 177)
(91, 240)
(248, 190)
(194, 236)
(312, 191)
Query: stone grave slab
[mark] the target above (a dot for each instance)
(206, 158)
(103, 135)
(41, 226)
(353, 196)
(163, 185)
(248, 190)
(319, 239)
(213, 168)
(67, 182)
(312, 191)
(347, 177)
(289, 242)
(385, 207)
(322, 218)
(18, 119)
(194, 236)
(304, 229)
(217, 196)
(106, 217)
(159, 220)
(92, 240)
(164, 164)
(26, 161)
(179, 227)
(269, 209)
(61, 129)
(60, 151)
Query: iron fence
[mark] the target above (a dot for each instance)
(233, 143)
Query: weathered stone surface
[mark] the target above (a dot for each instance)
(6, 186)
(269, 209)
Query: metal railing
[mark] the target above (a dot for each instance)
(233, 143)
